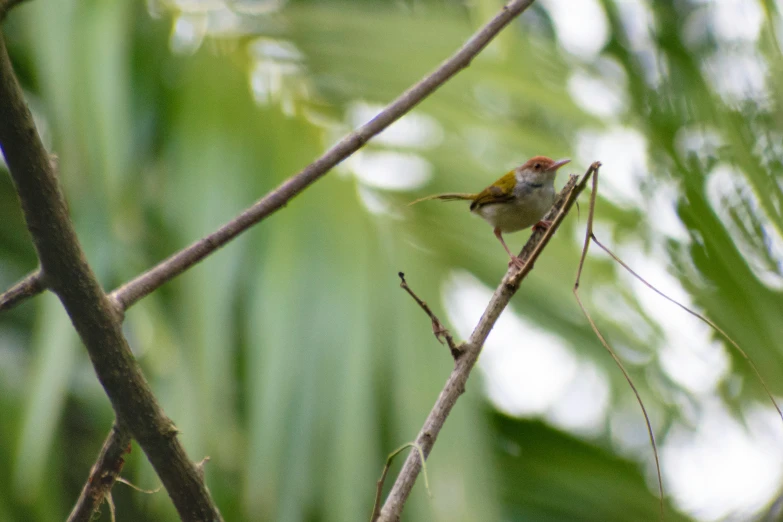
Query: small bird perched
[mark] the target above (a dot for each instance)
(516, 201)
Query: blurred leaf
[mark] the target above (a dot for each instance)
(550, 476)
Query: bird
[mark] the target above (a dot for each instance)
(516, 201)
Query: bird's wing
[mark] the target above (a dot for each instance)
(500, 191)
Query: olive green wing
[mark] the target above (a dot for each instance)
(500, 191)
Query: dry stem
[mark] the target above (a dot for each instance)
(605, 344)
(698, 316)
(440, 331)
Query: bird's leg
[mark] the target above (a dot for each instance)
(542, 226)
(514, 259)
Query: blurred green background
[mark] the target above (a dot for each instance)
(292, 358)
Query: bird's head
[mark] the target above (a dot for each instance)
(539, 169)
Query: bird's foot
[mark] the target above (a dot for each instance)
(517, 262)
(542, 226)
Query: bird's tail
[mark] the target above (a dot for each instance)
(449, 196)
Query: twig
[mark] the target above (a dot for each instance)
(31, 285)
(697, 315)
(455, 385)
(589, 235)
(376, 509)
(440, 331)
(126, 295)
(93, 315)
(104, 473)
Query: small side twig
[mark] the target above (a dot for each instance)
(440, 331)
(32, 284)
(376, 509)
(103, 475)
(605, 344)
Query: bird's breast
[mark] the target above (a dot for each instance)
(525, 210)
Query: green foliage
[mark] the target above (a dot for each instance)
(558, 477)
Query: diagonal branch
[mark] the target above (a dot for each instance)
(32, 284)
(129, 293)
(93, 315)
(126, 295)
(699, 316)
(455, 385)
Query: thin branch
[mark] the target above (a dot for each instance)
(455, 385)
(103, 475)
(440, 331)
(588, 232)
(700, 317)
(376, 509)
(635, 392)
(126, 295)
(93, 315)
(588, 236)
(32, 284)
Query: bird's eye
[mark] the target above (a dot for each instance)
(537, 166)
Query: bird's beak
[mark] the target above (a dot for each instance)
(559, 163)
